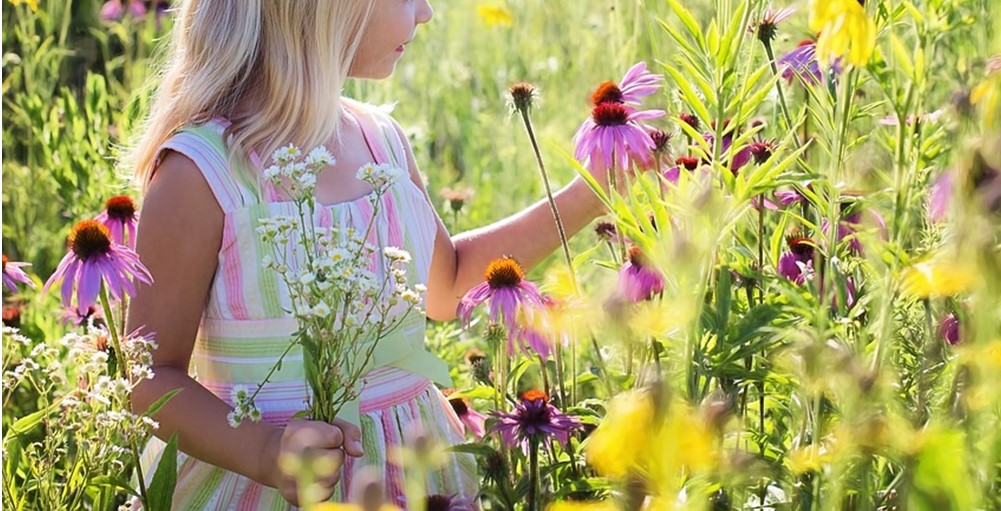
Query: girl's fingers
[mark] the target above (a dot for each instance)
(352, 438)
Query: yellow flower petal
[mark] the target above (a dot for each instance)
(930, 279)
(616, 447)
(845, 31)
(583, 506)
(494, 15)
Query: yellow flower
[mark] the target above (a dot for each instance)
(604, 505)
(32, 4)
(809, 458)
(494, 15)
(845, 31)
(624, 436)
(931, 279)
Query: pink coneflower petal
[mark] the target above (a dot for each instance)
(12, 274)
(941, 193)
(788, 197)
(94, 259)
(638, 83)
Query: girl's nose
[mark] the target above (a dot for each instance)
(424, 12)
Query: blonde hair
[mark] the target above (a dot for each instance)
(290, 58)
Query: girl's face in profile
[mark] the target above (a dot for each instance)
(390, 28)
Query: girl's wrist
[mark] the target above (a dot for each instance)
(267, 472)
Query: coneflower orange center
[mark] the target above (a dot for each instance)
(802, 247)
(121, 208)
(636, 257)
(607, 92)
(610, 114)
(89, 238)
(5, 261)
(689, 162)
(504, 272)
(534, 395)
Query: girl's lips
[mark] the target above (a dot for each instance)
(400, 48)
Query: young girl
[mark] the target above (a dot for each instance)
(243, 78)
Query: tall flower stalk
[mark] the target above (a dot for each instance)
(522, 99)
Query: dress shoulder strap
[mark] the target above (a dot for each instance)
(205, 145)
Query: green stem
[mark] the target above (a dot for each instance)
(778, 88)
(533, 487)
(113, 332)
(552, 202)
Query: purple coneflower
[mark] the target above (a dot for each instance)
(72, 316)
(471, 419)
(638, 280)
(507, 291)
(948, 329)
(534, 419)
(119, 216)
(452, 502)
(797, 264)
(637, 84)
(12, 274)
(689, 163)
(113, 10)
(612, 136)
(92, 260)
(531, 340)
(787, 197)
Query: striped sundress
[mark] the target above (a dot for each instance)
(245, 327)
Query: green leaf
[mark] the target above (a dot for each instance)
(161, 488)
(478, 392)
(690, 23)
(114, 482)
(159, 403)
(690, 97)
(28, 422)
(476, 449)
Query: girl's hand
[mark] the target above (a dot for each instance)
(308, 440)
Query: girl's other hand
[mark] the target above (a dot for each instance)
(313, 441)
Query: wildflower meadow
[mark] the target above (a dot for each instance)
(792, 303)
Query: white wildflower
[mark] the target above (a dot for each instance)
(286, 154)
(396, 254)
(320, 157)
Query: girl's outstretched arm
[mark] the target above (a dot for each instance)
(180, 231)
(529, 236)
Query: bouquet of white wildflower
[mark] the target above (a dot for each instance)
(79, 449)
(345, 294)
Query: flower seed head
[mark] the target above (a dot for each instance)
(89, 238)
(522, 96)
(504, 272)
(691, 120)
(661, 139)
(610, 114)
(607, 92)
(121, 208)
(688, 162)
(534, 395)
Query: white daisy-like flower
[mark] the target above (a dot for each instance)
(320, 157)
(283, 155)
(396, 254)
